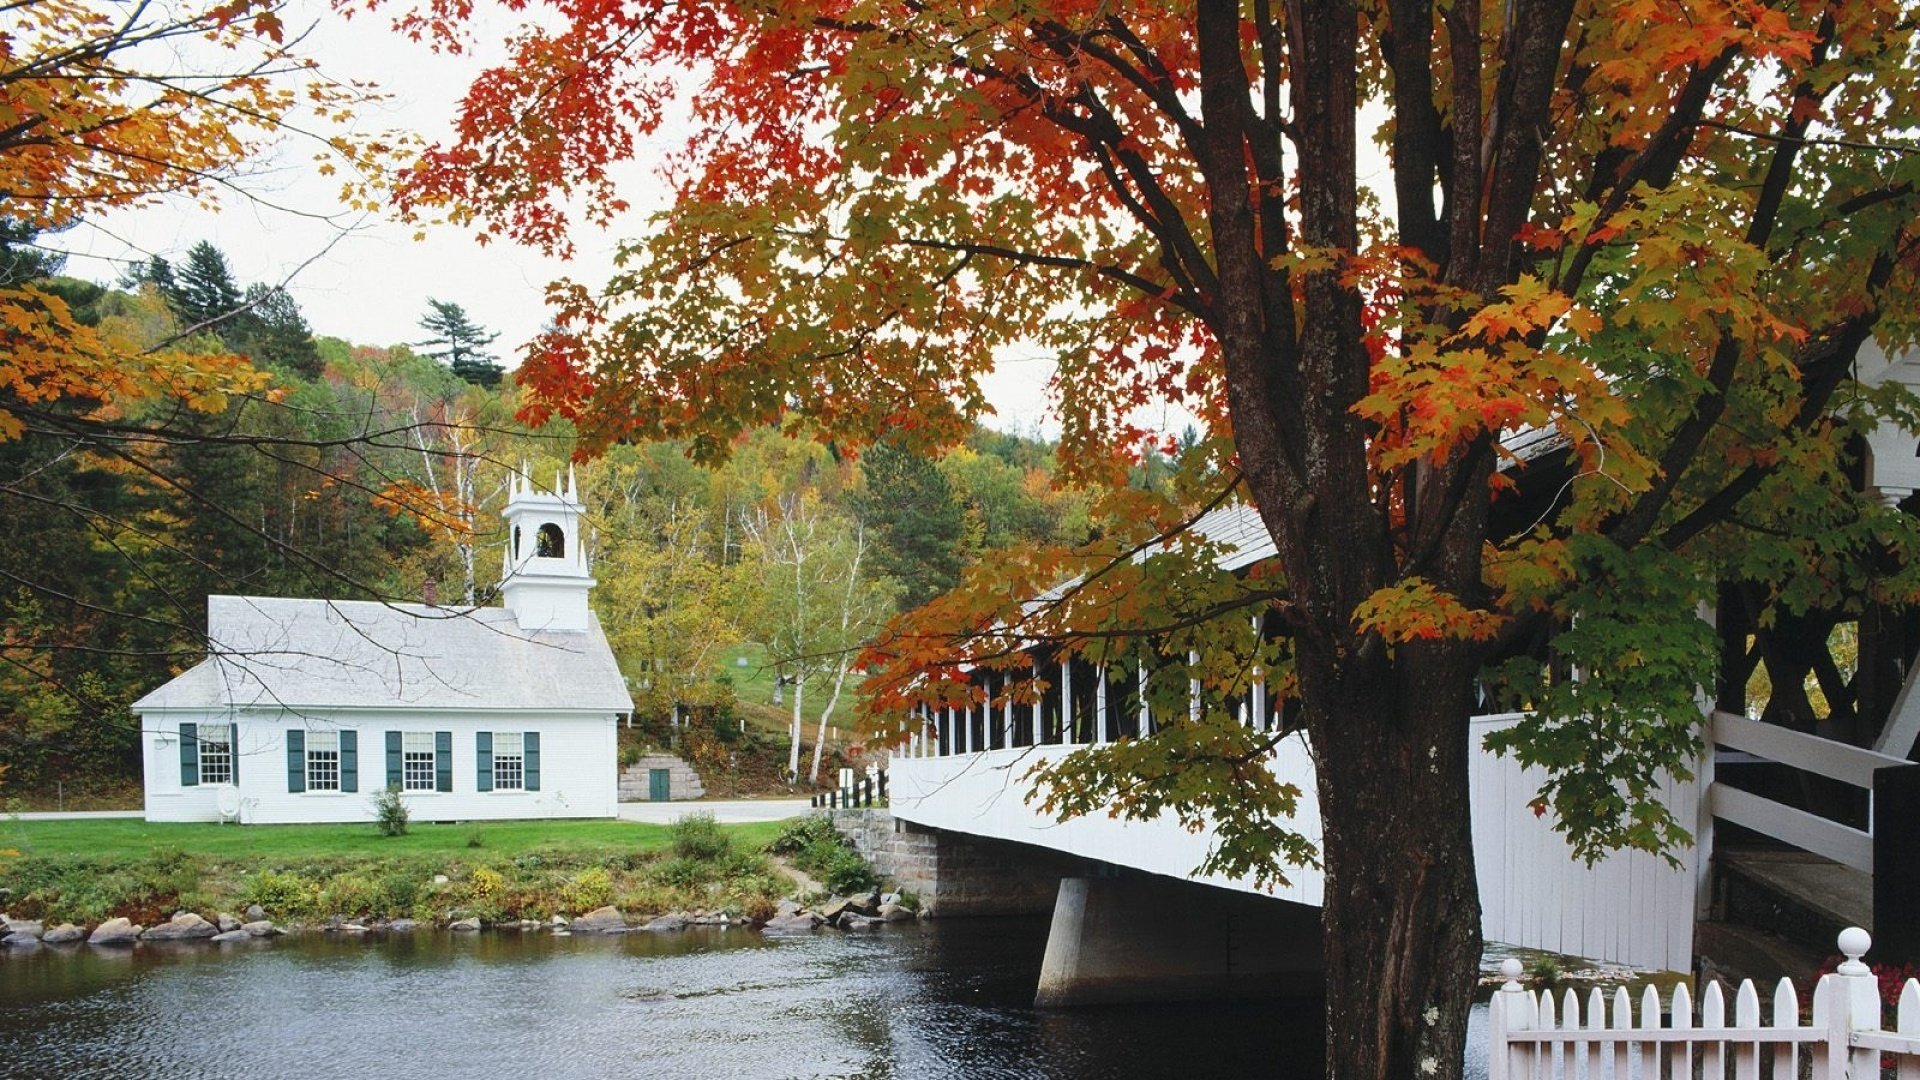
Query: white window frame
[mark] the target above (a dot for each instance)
(419, 762)
(509, 761)
(216, 753)
(323, 761)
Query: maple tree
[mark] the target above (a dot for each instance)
(145, 457)
(102, 107)
(1660, 230)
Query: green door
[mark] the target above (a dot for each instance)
(659, 785)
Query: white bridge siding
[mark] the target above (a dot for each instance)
(984, 794)
(1630, 908)
(578, 777)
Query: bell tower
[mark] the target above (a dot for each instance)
(544, 578)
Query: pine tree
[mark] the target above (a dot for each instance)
(920, 525)
(20, 259)
(274, 333)
(461, 342)
(203, 292)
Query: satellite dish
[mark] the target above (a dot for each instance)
(226, 799)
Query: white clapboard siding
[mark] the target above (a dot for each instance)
(1631, 907)
(578, 767)
(1531, 1038)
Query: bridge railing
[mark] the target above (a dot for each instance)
(1533, 1038)
(1083, 704)
(855, 791)
(1822, 836)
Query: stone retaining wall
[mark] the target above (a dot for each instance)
(954, 874)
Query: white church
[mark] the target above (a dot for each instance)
(304, 709)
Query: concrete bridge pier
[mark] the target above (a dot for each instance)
(1140, 937)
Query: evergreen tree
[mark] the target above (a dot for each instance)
(21, 260)
(920, 526)
(203, 292)
(460, 342)
(156, 271)
(274, 333)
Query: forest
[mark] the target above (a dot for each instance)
(359, 471)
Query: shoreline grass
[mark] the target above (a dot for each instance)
(128, 838)
(90, 870)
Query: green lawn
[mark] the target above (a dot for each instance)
(753, 680)
(126, 839)
(753, 689)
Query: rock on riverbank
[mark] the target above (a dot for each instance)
(860, 912)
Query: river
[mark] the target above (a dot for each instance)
(934, 1000)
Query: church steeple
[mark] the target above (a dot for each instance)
(544, 578)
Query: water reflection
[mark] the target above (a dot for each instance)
(948, 999)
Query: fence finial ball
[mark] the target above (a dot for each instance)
(1854, 943)
(1510, 970)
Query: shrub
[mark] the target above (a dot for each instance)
(590, 888)
(284, 895)
(84, 890)
(350, 895)
(819, 850)
(684, 873)
(399, 891)
(649, 899)
(798, 834)
(842, 870)
(698, 836)
(485, 883)
(390, 811)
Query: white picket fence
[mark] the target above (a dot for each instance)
(1533, 1039)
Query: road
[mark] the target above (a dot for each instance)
(723, 810)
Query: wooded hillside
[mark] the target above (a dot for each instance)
(371, 472)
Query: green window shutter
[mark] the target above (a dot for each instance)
(296, 760)
(443, 761)
(349, 761)
(483, 765)
(533, 760)
(233, 750)
(189, 755)
(393, 759)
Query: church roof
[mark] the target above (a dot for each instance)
(305, 654)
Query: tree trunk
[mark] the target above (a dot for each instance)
(796, 730)
(820, 737)
(1402, 913)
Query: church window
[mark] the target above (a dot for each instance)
(516, 541)
(550, 542)
(418, 761)
(323, 761)
(216, 753)
(509, 761)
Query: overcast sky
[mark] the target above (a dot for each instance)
(372, 284)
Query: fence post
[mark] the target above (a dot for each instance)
(1854, 1009)
(1510, 1011)
(882, 784)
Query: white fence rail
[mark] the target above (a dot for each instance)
(1532, 1038)
(1823, 757)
